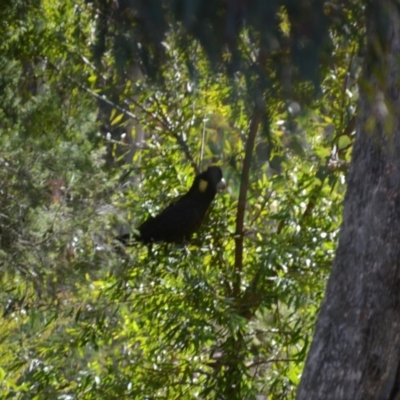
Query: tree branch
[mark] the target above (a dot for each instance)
(161, 120)
(254, 124)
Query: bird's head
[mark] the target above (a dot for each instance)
(211, 180)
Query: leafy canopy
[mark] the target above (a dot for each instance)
(89, 146)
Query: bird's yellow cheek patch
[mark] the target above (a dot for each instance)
(203, 185)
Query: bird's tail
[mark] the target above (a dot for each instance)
(128, 239)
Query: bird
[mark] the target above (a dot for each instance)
(180, 219)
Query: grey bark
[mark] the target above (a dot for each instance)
(355, 354)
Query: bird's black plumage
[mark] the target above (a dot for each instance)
(177, 222)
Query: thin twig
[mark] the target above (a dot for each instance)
(96, 95)
(164, 121)
(179, 139)
(203, 139)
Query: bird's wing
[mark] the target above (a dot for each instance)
(174, 224)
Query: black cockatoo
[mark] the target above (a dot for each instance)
(183, 217)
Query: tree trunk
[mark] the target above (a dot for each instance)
(355, 352)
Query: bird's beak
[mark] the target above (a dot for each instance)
(221, 185)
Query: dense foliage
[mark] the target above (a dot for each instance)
(90, 147)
